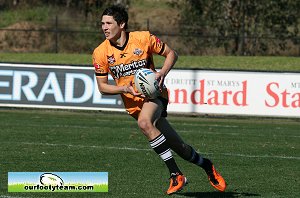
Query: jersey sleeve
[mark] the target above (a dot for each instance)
(157, 46)
(100, 63)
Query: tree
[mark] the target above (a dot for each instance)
(245, 27)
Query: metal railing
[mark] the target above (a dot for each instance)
(66, 37)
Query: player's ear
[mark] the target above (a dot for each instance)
(122, 25)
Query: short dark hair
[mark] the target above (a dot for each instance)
(118, 13)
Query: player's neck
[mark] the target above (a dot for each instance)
(121, 40)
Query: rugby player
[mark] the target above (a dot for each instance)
(120, 55)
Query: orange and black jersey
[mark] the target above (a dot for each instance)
(122, 62)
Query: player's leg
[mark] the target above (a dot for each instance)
(188, 153)
(149, 114)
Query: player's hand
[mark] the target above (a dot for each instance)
(160, 77)
(130, 89)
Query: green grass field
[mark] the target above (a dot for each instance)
(257, 63)
(259, 157)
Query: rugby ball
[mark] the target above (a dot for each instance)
(145, 83)
(51, 179)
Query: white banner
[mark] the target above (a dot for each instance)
(191, 91)
(231, 92)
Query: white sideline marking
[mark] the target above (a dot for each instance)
(206, 125)
(8, 196)
(260, 156)
(128, 121)
(179, 131)
(93, 146)
(140, 149)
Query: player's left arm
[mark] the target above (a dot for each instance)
(170, 60)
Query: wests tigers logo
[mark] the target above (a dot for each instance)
(111, 59)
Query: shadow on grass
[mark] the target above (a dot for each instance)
(218, 194)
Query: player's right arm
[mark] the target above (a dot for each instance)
(106, 88)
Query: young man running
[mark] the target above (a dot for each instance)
(120, 55)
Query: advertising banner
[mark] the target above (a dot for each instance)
(53, 86)
(190, 91)
(233, 92)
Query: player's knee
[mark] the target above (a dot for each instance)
(145, 125)
(183, 150)
(181, 147)
(187, 149)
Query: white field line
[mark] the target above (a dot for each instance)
(206, 125)
(237, 134)
(84, 146)
(204, 132)
(141, 149)
(8, 196)
(179, 131)
(77, 126)
(132, 122)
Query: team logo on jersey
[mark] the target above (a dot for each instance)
(97, 66)
(123, 55)
(137, 51)
(111, 59)
(158, 41)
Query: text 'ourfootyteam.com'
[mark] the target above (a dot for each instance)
(57, 188)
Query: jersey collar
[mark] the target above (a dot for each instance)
(121, 47)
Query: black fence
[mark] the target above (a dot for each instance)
(74, 37)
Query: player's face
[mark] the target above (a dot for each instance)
(110, 27)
